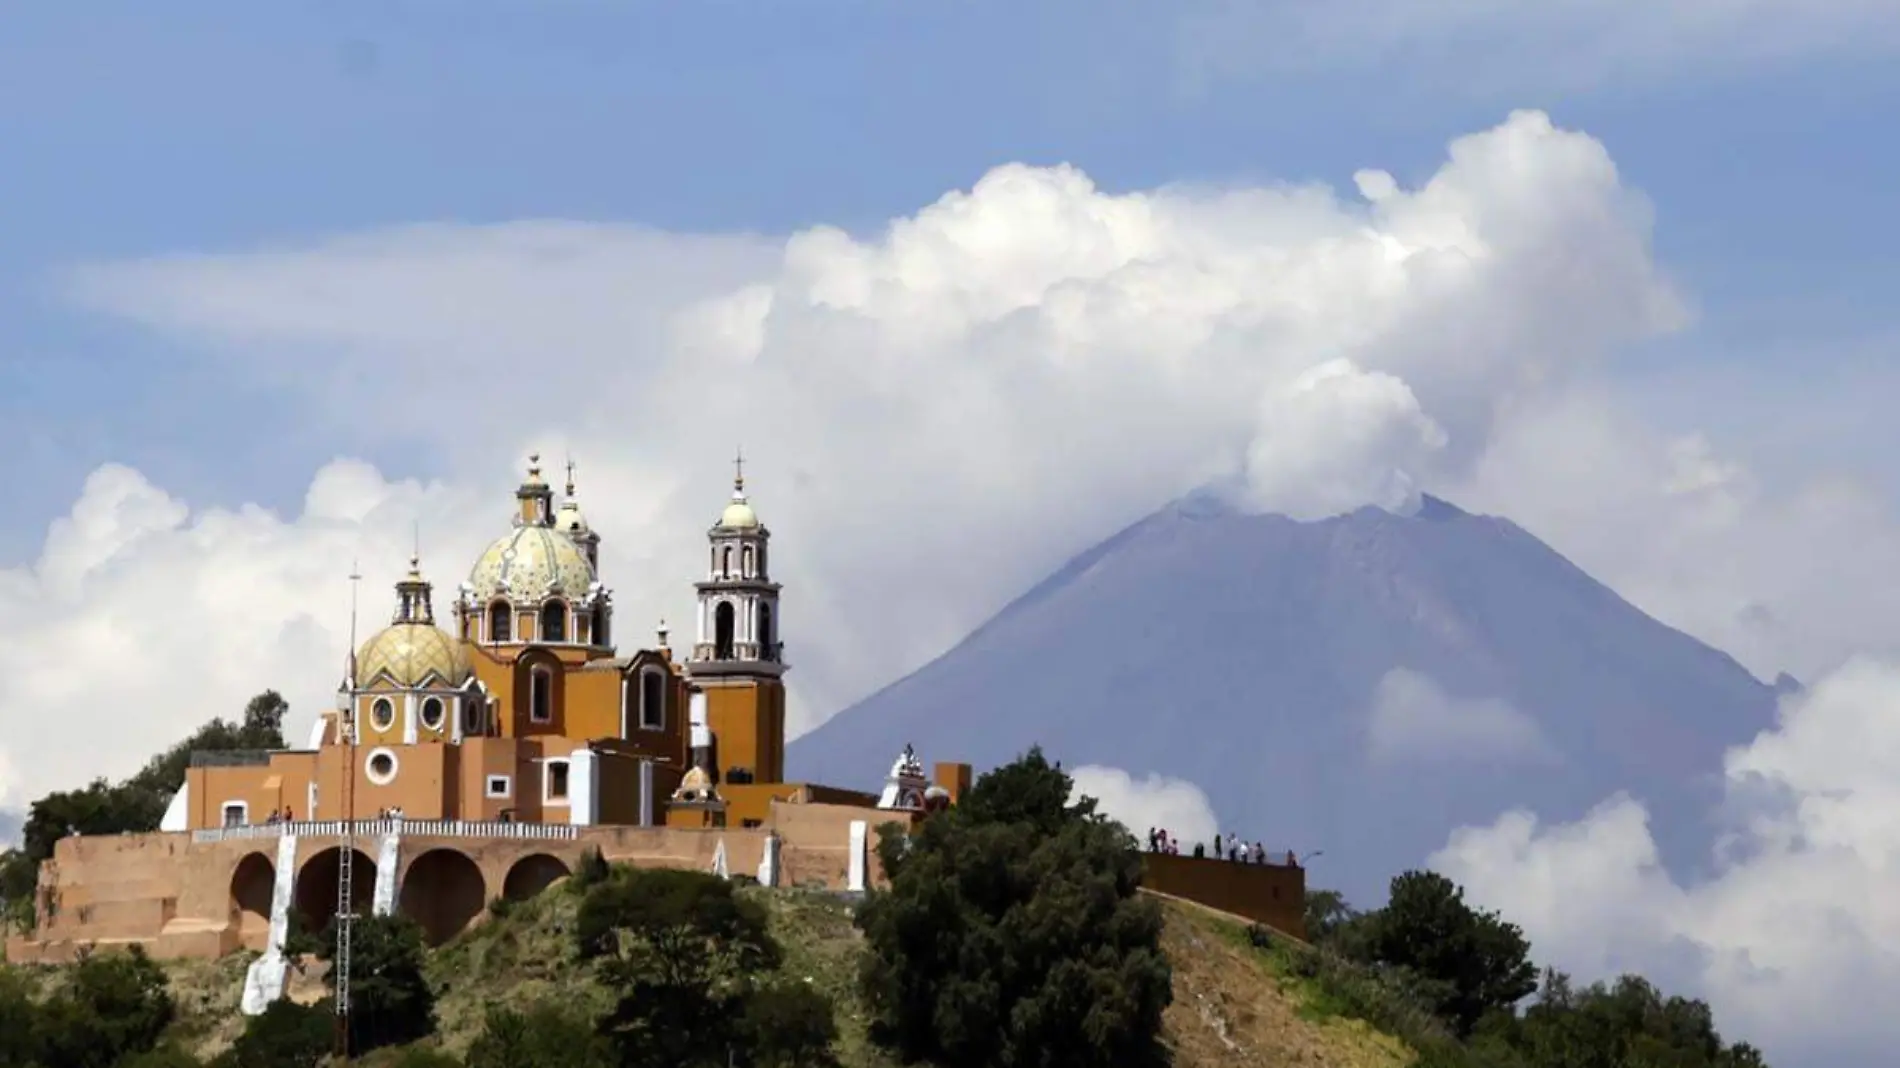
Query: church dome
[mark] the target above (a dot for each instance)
(412, 654)
(738, 516)
(530, 564)
(569, 520)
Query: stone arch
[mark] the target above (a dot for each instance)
(724, 619)
(253, 885)
(444, 892)
(532, 874)
(313, 897)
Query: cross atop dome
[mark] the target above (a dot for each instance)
(738, 475)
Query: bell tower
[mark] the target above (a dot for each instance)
(737, 659)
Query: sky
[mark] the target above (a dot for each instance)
(972, 285)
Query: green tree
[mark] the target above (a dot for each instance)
(284, 1035)
(111, 1007)
(542, 1036)
(788, 1025)
(19, 1020)
(390, 1000)
(1478, 962)
(1012, 933)
(679, 950)
(1326, 913)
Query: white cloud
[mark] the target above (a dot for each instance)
(1798, 929)
(1414, 719)
(935, 416)
(1504, 46)
(1173, 805)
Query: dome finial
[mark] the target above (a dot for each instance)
(534, 467)
(570, 476)
(738, 475)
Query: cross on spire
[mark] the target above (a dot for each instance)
(738, 471)
(570, 476)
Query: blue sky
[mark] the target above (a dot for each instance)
(224, 126)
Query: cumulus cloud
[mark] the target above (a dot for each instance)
(934, 415)
(1414, 719)
(1797, 928)
(1174, 805)
(1561, 45)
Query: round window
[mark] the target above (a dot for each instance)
(381, 767)
(472, 717)
(432, 713)
(382, 714)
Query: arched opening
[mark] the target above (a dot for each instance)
(725, 561)
(745, 558)
(253, 884)
(443, 892)
(314, 896)
(766, 644)
(474, 716)
(541, 695)
(501, 622)
(722, 631)
(652, 701)
(531, 875)
(603, 635)
(554, 622)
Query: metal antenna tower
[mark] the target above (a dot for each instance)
(345, 863)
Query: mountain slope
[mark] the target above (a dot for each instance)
(1361, 684)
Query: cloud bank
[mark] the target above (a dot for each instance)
(1173, 805)
(1797, 933)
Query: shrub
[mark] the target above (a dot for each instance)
(284, 1035)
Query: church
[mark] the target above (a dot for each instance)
(524, 709)
(486, 756)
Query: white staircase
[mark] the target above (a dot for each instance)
(388, 855)
(264, 979)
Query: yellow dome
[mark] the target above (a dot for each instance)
(738, 516)
(412, 654)
(530, 564)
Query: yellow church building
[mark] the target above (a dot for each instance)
(523, 709)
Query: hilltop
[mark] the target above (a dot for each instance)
(1233, 1003)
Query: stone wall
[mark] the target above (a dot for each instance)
(1272, 894)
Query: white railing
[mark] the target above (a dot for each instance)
(564, 832)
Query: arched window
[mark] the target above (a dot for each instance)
(432, 713)
(541, 695)
(554, 622)
(722, 631)
(765, 631)
(603, 635)
(500, 622)
(745, 561)
(725, 561)
(472, 710)
(712, 560)
(652, 701)
(382, 714)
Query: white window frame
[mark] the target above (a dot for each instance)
(395, 766)
(381, 723)
(547, 781)
(507, 787)
(243, 811)
(543, 672)
(441, 713)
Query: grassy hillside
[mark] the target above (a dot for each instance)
(1234, 1004)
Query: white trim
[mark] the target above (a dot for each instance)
(409, 736)
(395, 766)
(547, 781)
(379, 723)
(507, 787)
(540, 671)
(310, 800)
(244, 814)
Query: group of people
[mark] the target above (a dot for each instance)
(1229, 847)
(282, 815)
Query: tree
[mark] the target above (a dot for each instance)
(1326, 913)
(1479, 962)
(110, 1008)
(679, 949)
(284, 1035)
(1012, 933)
(542, 1036)
(788, 1025)
(390, 1000)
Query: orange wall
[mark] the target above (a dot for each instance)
(1272, 894)
(747, 717)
